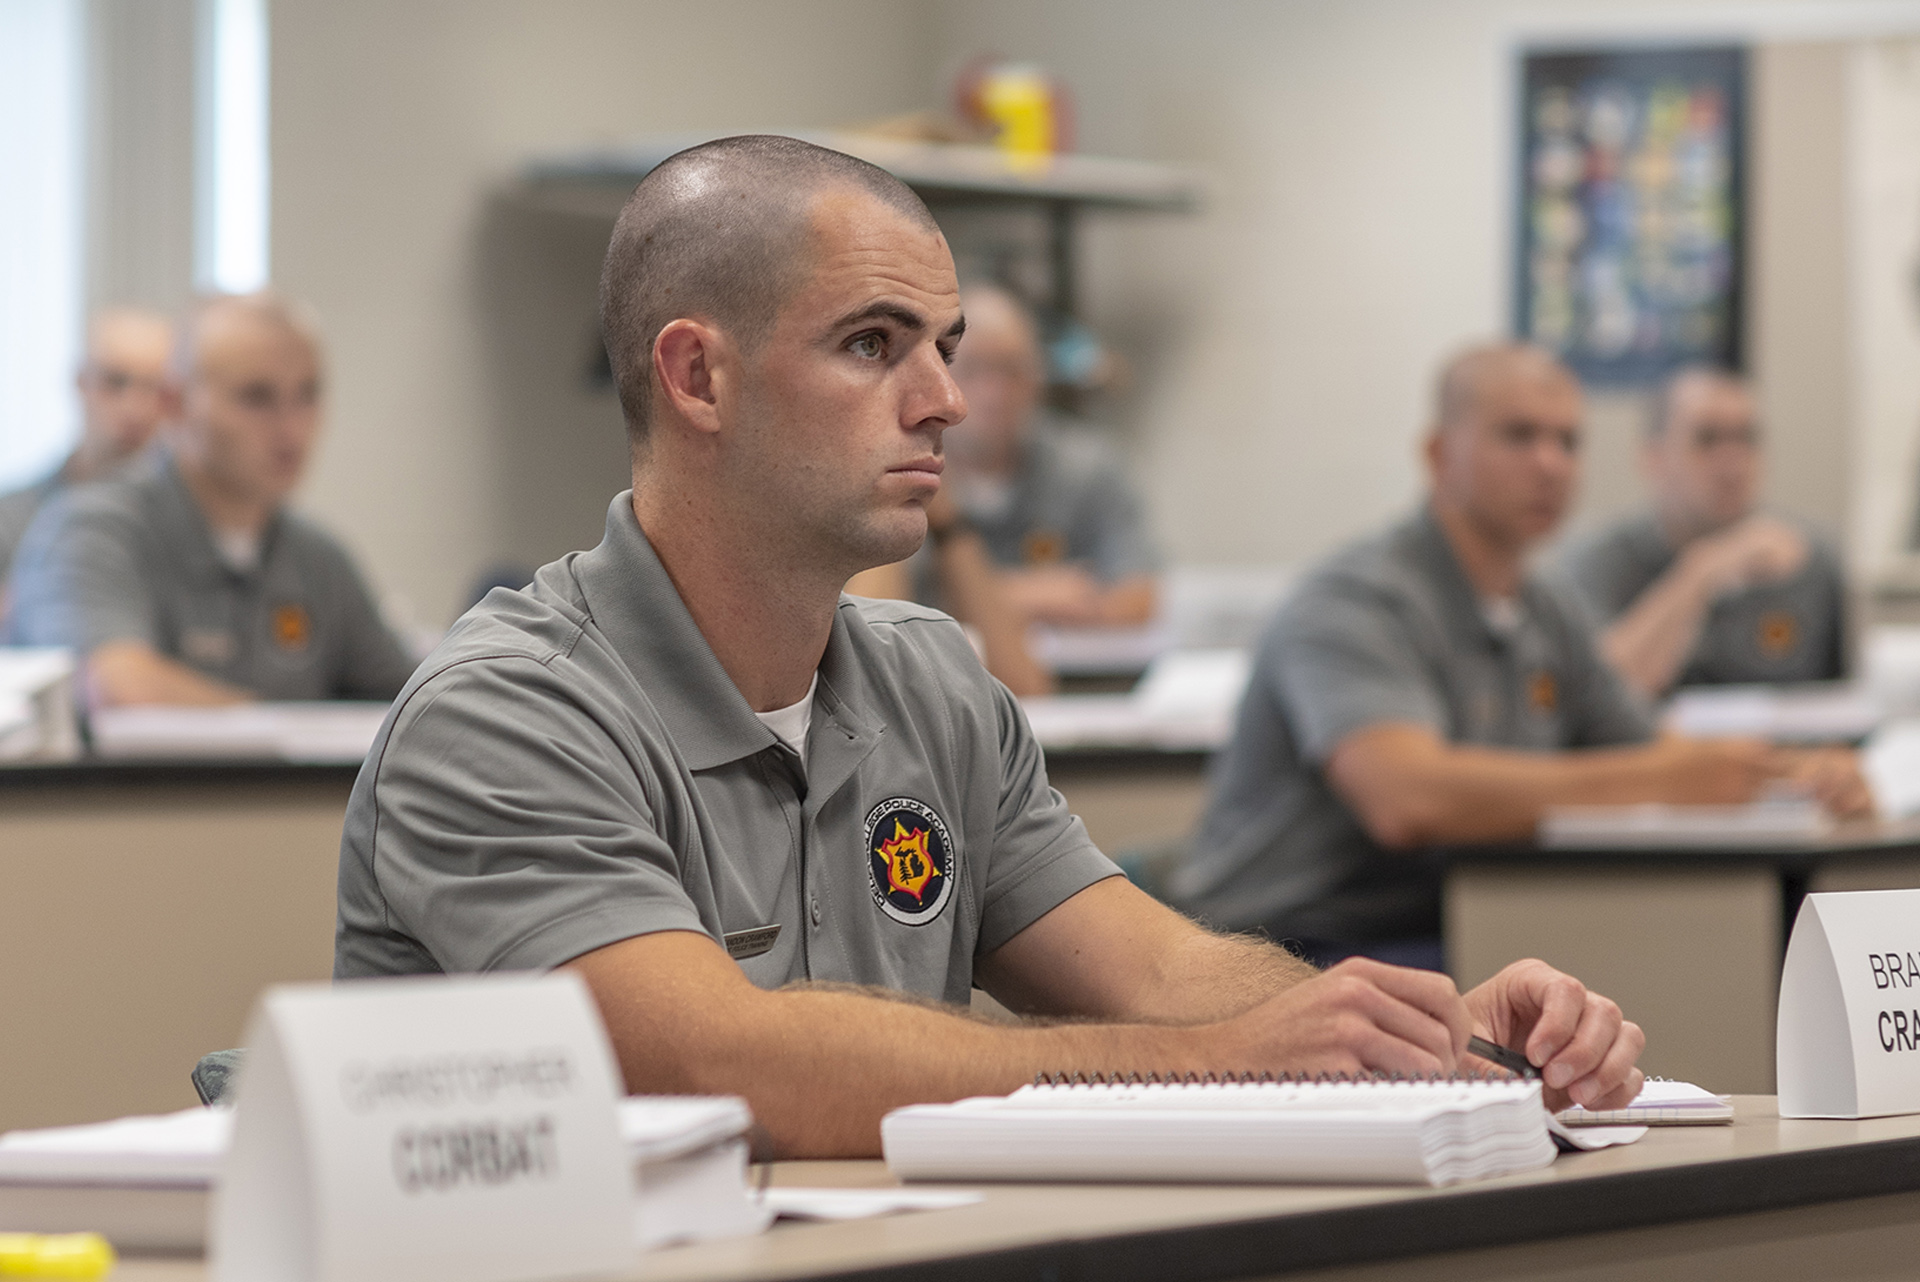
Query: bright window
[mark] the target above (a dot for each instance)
(230, 216)
(42, 231)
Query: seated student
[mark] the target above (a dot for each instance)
(1705, 588)
(191, 583)
(1422, 688)
(686, 766)
(1052, 506)
(121, 387)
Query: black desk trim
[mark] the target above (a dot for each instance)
(172, 773)
(1468, 1220)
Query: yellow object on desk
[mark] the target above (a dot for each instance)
(55, 1255)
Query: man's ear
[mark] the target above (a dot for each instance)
(692, 366)
(1433, 451)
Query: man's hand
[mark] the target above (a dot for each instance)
(1831, 776)
(1583, 1048)
(1062, 594)
(1759, 549)
(1360, 1016)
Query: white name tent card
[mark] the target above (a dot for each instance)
(1848, 1040)
(423, 1130)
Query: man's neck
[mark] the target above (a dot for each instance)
(1680, 527)
(1494, 566)
(767, 618)
(222, 509)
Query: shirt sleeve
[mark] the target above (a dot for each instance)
(373, 664)
(1042, 855)
(1605, 712)
(1340, 660)
(509, 827)
(79, 581)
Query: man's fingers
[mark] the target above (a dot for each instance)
(1556, 1003)
(1426, 991)
(1593, 1038)
(1616, 1081)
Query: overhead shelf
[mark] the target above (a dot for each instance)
(597, 182)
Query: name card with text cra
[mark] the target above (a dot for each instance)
(425, 1129)
(1848, 1038)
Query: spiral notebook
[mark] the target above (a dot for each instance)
(1661, 1102)
(1370, 1130)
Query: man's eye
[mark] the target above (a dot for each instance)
(948, 352)
(871, 346)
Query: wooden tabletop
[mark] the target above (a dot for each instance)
(1761, 1163)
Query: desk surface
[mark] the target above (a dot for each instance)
(1761, 1163)
(1861, 837)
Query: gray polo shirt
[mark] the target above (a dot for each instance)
(1389, 630)
(17, 510)
(133, 560)
(1070, 502)
(572, 767)
(1790, 630)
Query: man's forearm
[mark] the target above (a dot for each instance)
(131, 672)
(821, 1067)
(1650, 642)
(1410, 789)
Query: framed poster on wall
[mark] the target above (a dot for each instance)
(1631, 224)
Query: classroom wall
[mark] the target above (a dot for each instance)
(1357, 157)
(1358, 228)
(463, 430)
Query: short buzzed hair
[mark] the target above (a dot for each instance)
(1668, 401)
(265, 305)
(719, 232)
(1457, 391)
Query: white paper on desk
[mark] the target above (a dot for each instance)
(861, 1204)
(1809, 712)
(1890, 760)
(338, 732)
(173, 1150)
(1784, 821)
(1588, 1138)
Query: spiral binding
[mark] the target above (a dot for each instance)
(1078, 1077)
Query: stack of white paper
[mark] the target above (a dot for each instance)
(1813, 712)
(37, 717)
(1186, 701)
(320, 733)
(1781, 823)
(144, 1181)
(1385, 1132)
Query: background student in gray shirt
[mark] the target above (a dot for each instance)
(192, 583)
(1422, 688)
(1705, 587)
(122, 387)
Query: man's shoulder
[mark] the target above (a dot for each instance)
(508, 628)
(1381, 566)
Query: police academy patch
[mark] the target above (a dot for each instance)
(909, 860)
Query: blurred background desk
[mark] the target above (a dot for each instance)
(1688, 941)
(146, 906)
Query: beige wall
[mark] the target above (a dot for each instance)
(1357, 230)
(462, 429)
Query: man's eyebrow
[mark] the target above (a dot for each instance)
(905, 317)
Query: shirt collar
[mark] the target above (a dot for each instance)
(189, 537)
(637, 608)
(1440, 565)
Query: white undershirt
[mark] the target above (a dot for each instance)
(238, 549)
(790, 723)
(1502, 614)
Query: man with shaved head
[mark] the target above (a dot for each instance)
(782, 832)
(1707, 588)
(192, 584)
(122, 394)
(1423, 689)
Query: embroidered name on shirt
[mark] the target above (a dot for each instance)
(909, 860)
(742, 944)
(207, 646)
